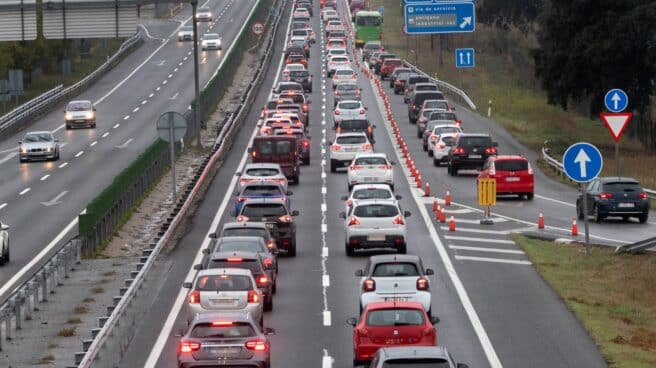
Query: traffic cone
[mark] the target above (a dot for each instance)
(426, 190)
(575, 228)
(452, 224)
(437, 212)
(541, 221)
(419, 180)
(435, 205)
(447, 198)
(442, 215)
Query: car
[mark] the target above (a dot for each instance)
(348, 109)
(400, 82)
(300, 42)
(203, 14)
(442, 146)
(39, 145)
(281, 150)
(265, 172)
(303, 140)
(297, 59)
(346, 91)
(414, 357)
(337, 34)
(357, 125)
(300, 18)
(369, 48)
(370, 168)
(246, 228)
(224, 290)
(210, 41)
(375, 223)
(334, 52)
(299, 25)
(418, 98)
(345, 147)
(395, 278)
(329, 14)
(417, 87)
(298, 98)
(388, 66)
(278, 219)
(381, 59)
(368, 191)
(225, 339)
(335, 43)
(273, 104)
(513, 175)
(334, 25)
(302, 77)
(337, 62)
(373, 58)
(293, 67)
(284, 87)
(422, 119)
(435, 114)
(386, 324)
(261, 189)
(330, 4)
(295, 49)
(395, 73)
(614, 196)
(438, 104)
(4, 243)
(279, 121)
(293, 108)
(186, 33)
(301, 12)
(307, 7)
(438, 127)
(412, 80)
(312, 37)
(357, 5)
(471, 151)
(249, 244)
(80, 113)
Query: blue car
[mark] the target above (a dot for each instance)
(261, 190)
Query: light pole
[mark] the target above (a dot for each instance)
(199, 144)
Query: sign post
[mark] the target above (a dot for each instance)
(171, 127)
(582, 163)
(616, 100)
(487, 196)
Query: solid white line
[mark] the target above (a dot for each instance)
(492, 260)
(79, 154)
(478, 231)
(105, 135)
(8, 157)
(44, 177)
(325, 280)
(491, 250)
(93, 143)
(148, 33)
(470, 221)
(554, 200)
(458, 211)
(482, 240)
(63, 165)
(24, 191)
(327, 318)
(3, 205)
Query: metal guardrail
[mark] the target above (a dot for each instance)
(444, 86)
(637, 247)
(43, 103)
(92, 348)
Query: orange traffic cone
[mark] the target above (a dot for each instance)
(452, 224)
(438, 210)
(541, 221)
(442, 215)
(427, 190)
(419, 180)
(435, 205)
(447, 199)
(575, 228)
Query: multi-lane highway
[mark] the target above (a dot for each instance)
(495, 309)
(156, 78)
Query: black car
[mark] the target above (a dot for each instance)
(278, 219)
(303, 77)
(416, 102)
(296, 50)
(400, 82)
(369, 48)
(614, 196)
(395, 74)
(470, 151)
(356, 126)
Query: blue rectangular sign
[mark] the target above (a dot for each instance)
(442, 17)
(465, 58)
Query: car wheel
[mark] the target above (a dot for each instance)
(292, 249)
(419, 133)
(430, 153)
(307, 161)
(529, 196)
(333, 167)
(349, 187)
(402, 249)
(93, 125)
(21, 160)
(597, 215)
(392, 187)
(268, 304)
(356, 363)
(349, 250)
(275, 287)
(436, 162)
(296, 179)
(642, 218)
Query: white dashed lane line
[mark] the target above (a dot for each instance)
(79, 154)
(44, 177)
(24, 191)
(126, 117)
(3, 205)
(93, 143)
(117, 125)
(151, 95)
(63, 165)
(105, 135)
(144, 102)
(135, 109)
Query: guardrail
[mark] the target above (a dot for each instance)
(444, 86)
(18, 117)
(92, 348)
(637, 247)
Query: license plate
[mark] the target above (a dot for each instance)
(625, 205)
(512, 178)
(376, 237)
(79, 121)
(223, 301)
(351, 149)
(224, 352)
(396, 299)
(269, 226)
(393, 341)
(369, 179)
(475, 156)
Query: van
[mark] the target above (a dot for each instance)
(282, 150)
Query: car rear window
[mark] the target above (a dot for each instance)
(436, 105)
(245, 264)
(395, 269)
(347, 87)
(243, 246)
(354, 124)
(416, 363)
(253, 190)
(256, 210)
(475, 141)
(263, 171)
(622, 186)
(266, 147)
(446, 129)
(349, 105)
(418, 79)
(209, 330)
(376, 210)
(426, 87)
(395, 317)
(370, 161)
(344, 72)
(440, 115)
(372, 193)
(299, 73)
(352, 139)
(289, 87)
(511, 165)
(244, 231)
(224, 282)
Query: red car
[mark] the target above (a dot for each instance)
(385, 324)
(388, 67)
(513, 174)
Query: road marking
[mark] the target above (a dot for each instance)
(44, 177)
(116, 125)
(458, 211)
(8, 157)
(55, 200)
(63, 165)
(478, 231)
(174, 96)
(79, 154)
(491, 250)
(477, 222)
(482, 240)
(151, 95)
(175, 70)
(58, 128)
(165, 81)
(144, 102)
(24, 191)
(158, 88)
(63, 145)
(327, 360)
(93, 143)
(126, 117)
(105, 135)
(327, 318)
(9, 150)
(325, 280)
(492, 260)
(554, 200)
(3, 205)
(124, 144)
(135, 109)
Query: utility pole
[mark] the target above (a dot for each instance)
(199, 144)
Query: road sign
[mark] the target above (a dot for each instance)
(465, 58)
(381, 10)
(487, 192)
(257, 28)
(582, 162)
(616, 100)
(171, 121)
(441, 17)
(616, 123)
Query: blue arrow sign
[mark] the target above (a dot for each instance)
(582, 162)
(465, 58)
(441, 17)
(616, 100)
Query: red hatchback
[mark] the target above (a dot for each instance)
(385, 324)
(513, 174)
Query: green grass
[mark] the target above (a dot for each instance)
(504, 74)
(612, 295)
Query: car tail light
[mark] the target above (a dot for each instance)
(398, 83)
(271, 244)
(305, 107)
(253, 296)
(194, 297)
(235, 259)
(370, 129)
(491, 150)
(643, 195)
(306, 143)
(361, 111)
(188, 346)
(254, 154)
(458, 150)
(241, 199)
(353, 221)
(414, 107)
(407, 90)
(605, 195)
(335, 147)
(257, 345)
(366, 146)
(433, 138)
(354, 76)
(261, 280)
(398, 220)
(458, 122)
(349, 202)
(267, 262)
(337, 112)
(285, 218)
(369, 285)
(222, 323)
(336, 93)
(339, 130)
(355, 167)
(422, 284)
(385, 167)
(242, 218)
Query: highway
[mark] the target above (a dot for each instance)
(155, 78)
(495, 310)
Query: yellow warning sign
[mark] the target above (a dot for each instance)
(487, 192)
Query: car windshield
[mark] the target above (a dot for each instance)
(37, 137)
(299, 73)
(349, 105)
(78, 106)
(393, 269)
(376, 210)
(262, 171)
(210, 330)
(370, 161)
(475, 141)
(395, 317)
(248, 246)
(418, 79)
(261, 190)
(263, 210)
(351, 139)
(417, 363)
(622, 186)
(368, 20)
(372, 193)
(511, 165)
(211, 36)
(223, 282)
(244, 231)
(354, 124)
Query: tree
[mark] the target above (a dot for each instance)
(504, 13)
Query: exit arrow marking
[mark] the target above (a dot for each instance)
(55, 200)
(465, 22)
(124, 144)
(582, 159)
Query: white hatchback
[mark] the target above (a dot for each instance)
(349, 110)
(262, 173)
(370, 168)
(441, 147)
(344, 75)
(346, 146)
(375, 223)
(336, 62)
(361, 192)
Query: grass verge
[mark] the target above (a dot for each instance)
(612, 295)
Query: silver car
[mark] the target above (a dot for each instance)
(4, 243)
(80, 114)
(264, 172)
(224, 290)
(186, 33)
(346, 91)
(410, 356)
(349, 109)
(204, 14)
(38, 146)
(375, 223)
(211, 41)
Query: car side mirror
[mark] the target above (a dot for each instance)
(359, 273)
(342, 215)
(406, 214)
(179, 333)
(198, 267)
(269, 331)
(214, 236)
(308, 101)
(343, 198)
(352, 321)
(186, 285)
(250, 149)
(366, 108)
(398, 197)
(462, 365)
(238, 173)
(56, 140)
(453, 108)
(206, 251)
(429, 271)
(495, 144)
(295, 213)
(374, 127)
(289, 192)
(435, 320)
(20, 142)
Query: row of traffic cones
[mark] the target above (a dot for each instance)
(440, 215)
(574, 229)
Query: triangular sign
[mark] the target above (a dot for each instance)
(616, 123)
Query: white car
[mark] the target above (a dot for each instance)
(349, 109)
(186, 33)
(266, 127)
(80, 113)
(370, 168)
(211, 41)
(345, 147)
(375, 223)
(438, 127)
(204, 14)
(263, 172)
(301, 13)
(441, 147)
(335, 43)
(292, 67)
(334, 25)
(4, 243)
(336, 62)
(38, 145)
(368, 191)
(344, 75)
(395, 277)
(328, 14)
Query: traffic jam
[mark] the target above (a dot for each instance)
(235, 286)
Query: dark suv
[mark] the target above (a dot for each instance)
(303, 77)
(470, 152)
(277, 217)
(417, 100)
(614, 196)
(357, 125)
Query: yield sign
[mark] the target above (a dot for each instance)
(616, 123)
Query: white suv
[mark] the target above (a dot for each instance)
(345, 147)
(368, 191)
(349, 110)
(441, 146)
(370, 168)
(375, 223)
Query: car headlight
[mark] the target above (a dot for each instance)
(69, 116)
(23, 150)
(89, 115)
(49, 149)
